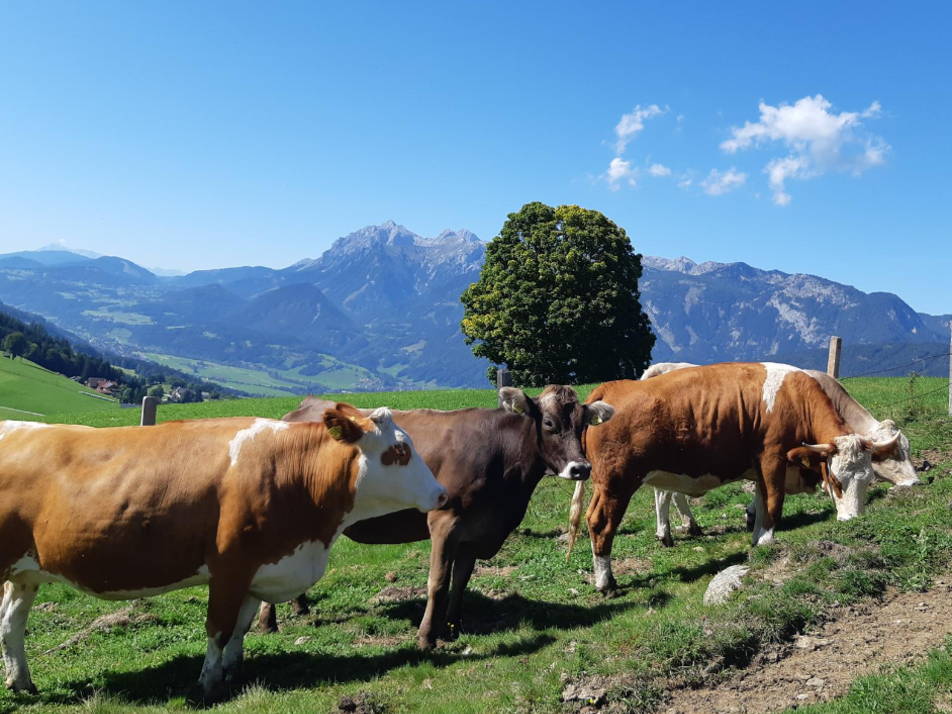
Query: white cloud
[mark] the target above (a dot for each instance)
(685, 184)
(620, 170)
(721, 182)
(632, 123)
(659, 170)
(819, 140)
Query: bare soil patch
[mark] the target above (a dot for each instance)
(821, 666)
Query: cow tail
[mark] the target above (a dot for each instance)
(575, 516)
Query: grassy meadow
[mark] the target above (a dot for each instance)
(532, 622)
(28, 391)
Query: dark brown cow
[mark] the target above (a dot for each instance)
(694, 429)
(490, 461)
(250, 507)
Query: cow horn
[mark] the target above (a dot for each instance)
(819, 448)
(882, 447)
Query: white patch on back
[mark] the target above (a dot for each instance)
(776, 373)
(8, 426)
(260, 425)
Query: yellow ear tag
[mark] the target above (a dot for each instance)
(335, 432)
(353, 418)
(516, 408)
(806, 462)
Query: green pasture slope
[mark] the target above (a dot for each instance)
(27, 391)
(532, 621)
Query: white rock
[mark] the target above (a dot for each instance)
(724, 583)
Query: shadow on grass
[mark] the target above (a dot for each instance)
(484, 615)
(277, 671)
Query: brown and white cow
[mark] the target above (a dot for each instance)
(249, 507)
(490, 461)
(694, 429)
(896, 466)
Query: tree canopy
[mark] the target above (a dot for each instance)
(557, 300)
(16, 344)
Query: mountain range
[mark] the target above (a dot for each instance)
(383, 303)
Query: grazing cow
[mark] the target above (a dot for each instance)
(695, 429)
(490, 461)
(895, 467)
(249, 507)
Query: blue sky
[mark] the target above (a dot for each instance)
(200, 135)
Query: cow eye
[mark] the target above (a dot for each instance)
(549, 424)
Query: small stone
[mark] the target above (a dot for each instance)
(573, 591)
(724, 583)
(302, 640)
(572, 646)
(467, 652)
(802, 697)
(816, 682)
(699, 549)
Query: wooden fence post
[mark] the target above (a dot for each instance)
(833, 363)
(503, 379)
(149, 405)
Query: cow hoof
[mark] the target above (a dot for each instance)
(266, 629)
(201, 697)
(28, 688)
(426, 644)
(300, 609)
(667, 541)
(695, 530)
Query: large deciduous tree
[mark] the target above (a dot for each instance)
(16, 344)
(557, 300)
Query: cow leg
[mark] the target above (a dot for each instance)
(662, 504)
(444, 535)
(268, 619)
(769, 499)
(751, 513)
(604, 516)
(299, 605)
(687, 518)
(235, 649)
(462, 571)
(226, 600)
(17, 601)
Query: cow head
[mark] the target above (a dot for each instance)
(894, 466)
(559, 422)
(392, 475)
(849, 469)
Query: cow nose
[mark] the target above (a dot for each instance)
(580, 470)
(442, 499)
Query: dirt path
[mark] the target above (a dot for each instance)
(822, 666)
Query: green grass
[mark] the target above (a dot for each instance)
(335, 375)
(25, 386)
(531, 620)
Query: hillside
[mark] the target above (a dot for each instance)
(26, 387)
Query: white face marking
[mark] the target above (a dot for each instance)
(776, 373)
(7, 427)
(852, 466)
(259, 425)
(566, 473)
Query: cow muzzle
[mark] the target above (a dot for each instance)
(576, 471)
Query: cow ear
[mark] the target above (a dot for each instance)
(342, 427)
(598, 413)
(805, 458)
(514, 400)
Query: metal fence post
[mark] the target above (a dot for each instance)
(149, 405)
(833, 363)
